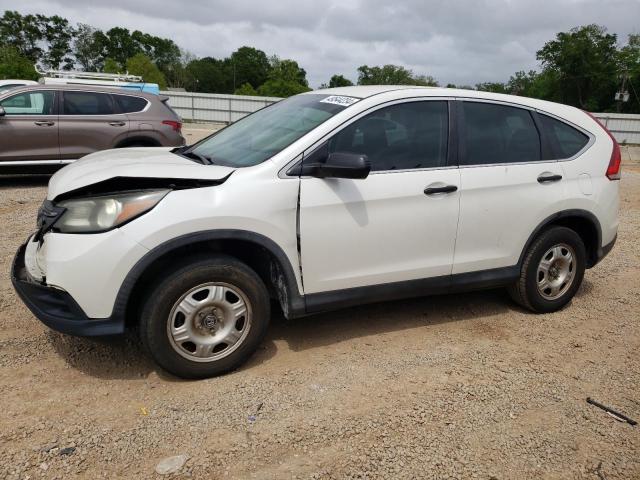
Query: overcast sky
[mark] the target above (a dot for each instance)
(462, 42)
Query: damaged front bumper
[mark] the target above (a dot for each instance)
(56, 308)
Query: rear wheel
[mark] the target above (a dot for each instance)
(552, 271)
(206, 318)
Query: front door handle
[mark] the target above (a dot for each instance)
(549, 178)
(436, 190)
(44, 123)
(117, 124)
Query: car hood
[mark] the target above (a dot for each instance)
(143, 162)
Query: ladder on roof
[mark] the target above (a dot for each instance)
(74, 74)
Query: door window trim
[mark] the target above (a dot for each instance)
(22, 115)
(117, 105)
(589, 135)
(451, 162)
(534, 112)
(114, 105)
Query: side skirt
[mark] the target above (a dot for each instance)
(336, 299)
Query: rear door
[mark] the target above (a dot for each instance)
(509, 184)
(29, 128)
(89, 122)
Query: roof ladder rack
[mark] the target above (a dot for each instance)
(114, 77)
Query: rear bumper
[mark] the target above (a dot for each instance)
(56, 308)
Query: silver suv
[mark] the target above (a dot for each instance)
(57, 124)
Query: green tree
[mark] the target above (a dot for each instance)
(425, 81)
(339, 81)
(176, 72)
(246, 89)
(111, 66)
(89, 48)
(15, 65)
(248, 65)
(142, 65)
(206, 75)
(582, 65)
(629, 68)
(58, 36)
(286, 78)
(24, 33)
(495, 87)
(392, 75)
(120, 45)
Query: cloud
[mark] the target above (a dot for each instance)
(457, 41)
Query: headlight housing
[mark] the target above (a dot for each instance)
(99, 214)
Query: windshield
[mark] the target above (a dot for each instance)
(259, 136)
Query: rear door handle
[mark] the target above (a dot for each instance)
(549, 178)
(117, 124)
(436, 190)
(44, 123)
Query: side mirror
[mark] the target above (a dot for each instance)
(2, 112)
(339, 165)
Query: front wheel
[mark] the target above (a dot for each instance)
(551, 272)
(206, 318)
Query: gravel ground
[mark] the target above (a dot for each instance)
(460, 386)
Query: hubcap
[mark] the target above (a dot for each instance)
(209, 322)
(556, 271)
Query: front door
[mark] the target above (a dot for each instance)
(399, 223)
(29, 127)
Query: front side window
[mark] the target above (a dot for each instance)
(258, 137)
(29, 103)
(565, 140)
(399, 137)
(498, 134)
(87, 103)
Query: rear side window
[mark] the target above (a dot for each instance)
(498, 134)
(565, 140)
(87, 103)
(400, 137)
(129, 104)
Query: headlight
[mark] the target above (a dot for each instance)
(98, 214)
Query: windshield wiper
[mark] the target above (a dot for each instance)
(202, 158)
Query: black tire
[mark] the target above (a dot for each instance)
(526, 292)
(161, 300)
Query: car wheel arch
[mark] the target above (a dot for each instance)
(275, 269)
(583, 222)
(143, 141)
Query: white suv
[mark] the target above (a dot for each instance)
(324, 200)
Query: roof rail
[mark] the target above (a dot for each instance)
(115, 77)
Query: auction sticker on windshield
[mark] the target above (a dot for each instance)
(340, 100)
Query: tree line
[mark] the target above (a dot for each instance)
(584, 67)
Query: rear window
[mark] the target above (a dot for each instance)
(565, 140)
(87, 103)
(129, 104)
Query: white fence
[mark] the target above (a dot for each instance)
(625, 127)
(210, 107)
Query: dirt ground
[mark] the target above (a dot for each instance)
(460, 386)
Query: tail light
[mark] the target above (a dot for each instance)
(613, 169)
(176, 126)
